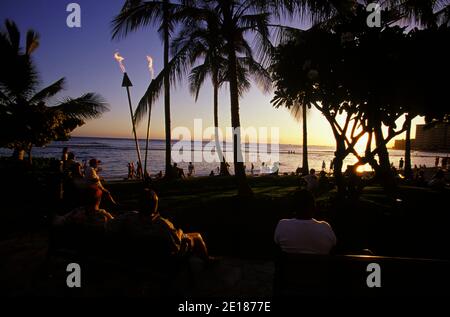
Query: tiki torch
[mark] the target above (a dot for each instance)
(126, 82)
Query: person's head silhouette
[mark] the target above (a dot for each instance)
(304, 204)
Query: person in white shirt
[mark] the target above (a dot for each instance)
(92, 178)
(304, 234)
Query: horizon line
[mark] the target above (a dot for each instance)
(156, 139)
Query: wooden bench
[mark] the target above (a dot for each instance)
(298, 274)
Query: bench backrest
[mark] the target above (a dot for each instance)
(298, 274)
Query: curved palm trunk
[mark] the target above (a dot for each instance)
(305, 168)
(243, 187)
(146, 173)
(168, 173)
(408, 171)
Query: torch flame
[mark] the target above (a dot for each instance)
(120, 59)
(150, 66)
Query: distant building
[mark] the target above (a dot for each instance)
(436, 138)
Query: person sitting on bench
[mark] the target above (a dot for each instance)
(304, 234)
(148, 222)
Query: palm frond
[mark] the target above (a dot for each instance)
(32, 42)
(48, 91)
(260, 74)
(197, 78)
(136, 14)
(418, 11)
(283, 34)
(296, 111)
(177, 67)
(13, 35)
(88, 106)
(258, 23)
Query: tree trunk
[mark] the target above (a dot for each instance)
(166, 18)
(243, 187)
(339, 156)
(384, 169)
(408, 170)
(305, 168)
(220, 155)
(146, 173)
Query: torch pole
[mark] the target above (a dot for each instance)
(134, 131)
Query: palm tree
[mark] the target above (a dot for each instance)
(242, 18)
(238, 19)
(234, 17)
(26, 119)
(299, 112)
(136, 14)
(206, 43)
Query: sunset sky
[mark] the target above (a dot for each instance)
(85, 57)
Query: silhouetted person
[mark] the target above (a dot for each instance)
(401, 163)
(177, 172)
(92, 178)
(131, 170)
(353, 181)
(324, 183)
(191, 169)
(90, 215)
(64, 156)
(149, 220)
(73, 182)
(312, 183)
(224, 168)
(323, 165)
(303, 233)
(72, 168)
(436, 162)
(420, 178)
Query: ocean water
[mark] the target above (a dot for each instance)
(116, 153)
